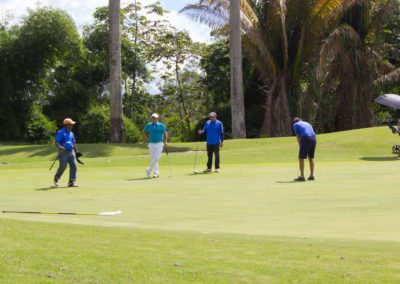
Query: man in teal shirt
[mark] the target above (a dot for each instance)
(156, 134)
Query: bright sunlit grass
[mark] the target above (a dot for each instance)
(249, 223)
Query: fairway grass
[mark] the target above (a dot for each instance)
(250, 223)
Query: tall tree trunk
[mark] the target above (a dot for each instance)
(235, 54)
(132, 100)
(114, 44)
(277, 121)
(182, 99)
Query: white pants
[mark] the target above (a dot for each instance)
(155, 155)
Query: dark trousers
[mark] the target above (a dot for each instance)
(213, 149)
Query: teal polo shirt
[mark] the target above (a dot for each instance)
(156, 131)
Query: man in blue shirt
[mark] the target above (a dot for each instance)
(156, 134)
(214, 130)
(66, 144)
(306, 139)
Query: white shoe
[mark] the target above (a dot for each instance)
(156, 176)
(148, 174)
(217, 170)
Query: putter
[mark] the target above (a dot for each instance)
(169, 164)
(66, 213)
(195, 156)
(54, 162)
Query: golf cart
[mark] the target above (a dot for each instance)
(392, 101)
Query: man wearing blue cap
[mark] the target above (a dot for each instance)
(306, 139)
(66, 144)
(214, 130)
(156, 134)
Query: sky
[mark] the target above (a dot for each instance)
(81, 12)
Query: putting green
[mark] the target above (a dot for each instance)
(355, 195)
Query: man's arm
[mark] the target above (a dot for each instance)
(145, 136)
(298, 139)
(222, 136)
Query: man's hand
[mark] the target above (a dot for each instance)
(221, 145)
(61, 149)
(199, 132)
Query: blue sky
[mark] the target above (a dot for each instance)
(81, 11)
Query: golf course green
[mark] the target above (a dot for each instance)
(250, 223)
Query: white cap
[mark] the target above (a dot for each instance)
(154, 115)
(213, 114)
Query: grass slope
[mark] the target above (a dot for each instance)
(250, 223)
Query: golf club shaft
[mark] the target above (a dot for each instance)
(54, 162)
(195, 156)
(169, 164)
(52, 213)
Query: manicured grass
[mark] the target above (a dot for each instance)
(249, 223)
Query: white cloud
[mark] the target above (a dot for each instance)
(81, 12)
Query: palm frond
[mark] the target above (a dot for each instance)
(214, 17)
(341, 40)
(329, 10)
(283, 11)
(256, 46)
(388, 79)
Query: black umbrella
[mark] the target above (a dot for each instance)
(389, 100)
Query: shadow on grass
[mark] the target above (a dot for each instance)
(50, 188)
(380, 159)
(290, 181)
(142, 178)
(89, 150)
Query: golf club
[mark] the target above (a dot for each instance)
(195, 156)
(169, 164)
(66, 213)
(54, 162)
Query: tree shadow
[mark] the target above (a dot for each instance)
(380, 159)
(89, 150)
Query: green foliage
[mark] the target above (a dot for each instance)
(46, 40)
(131, 132)
(94, 126)
(40, 128)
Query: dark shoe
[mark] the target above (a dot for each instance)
(207, 171)
(311, 178)
(55, 180)
(72, 184)
(300, 178)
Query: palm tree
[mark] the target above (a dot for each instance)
(116, 110)
(233, 11)
(350, 68)
(277, 36)
(236, 73)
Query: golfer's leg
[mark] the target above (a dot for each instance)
(72, 166)
(158, 153)
(216, 152)
(301, 166)
(210, 156)
(63, 159)
(153, 161)
(311, 161)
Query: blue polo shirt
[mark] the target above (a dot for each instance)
(156, 131)
(65, 138)
(214, 131)
(303, 129)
